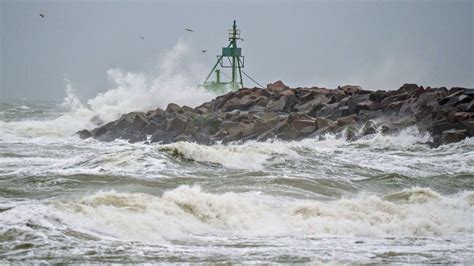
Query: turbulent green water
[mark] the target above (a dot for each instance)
(384, 199)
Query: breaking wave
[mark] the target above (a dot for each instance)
(187, 211)
(252, 155)
(336, 151)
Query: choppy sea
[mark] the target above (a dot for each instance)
(380, 199)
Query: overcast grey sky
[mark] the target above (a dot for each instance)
(376, 44)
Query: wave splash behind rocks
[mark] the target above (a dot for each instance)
(296, 113)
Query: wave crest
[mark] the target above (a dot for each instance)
(187, 211)
(412, 195)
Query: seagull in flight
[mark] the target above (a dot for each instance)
(190, 30)
(41, 15)
(203, 51)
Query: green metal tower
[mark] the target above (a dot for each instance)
(233, 55)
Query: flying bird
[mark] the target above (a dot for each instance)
(141, 37)
(204, 51)
(41, 15)
(190, 30)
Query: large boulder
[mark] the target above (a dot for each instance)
(453, 135)
(347, 120)
(350, 89)
(177, 124)
(84, 134)
(162, 136)
(469, 125)
(173, 108)
(395, 98)
(139, 122)
(411, 89)
(277, 86)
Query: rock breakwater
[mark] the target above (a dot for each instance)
(295, 113)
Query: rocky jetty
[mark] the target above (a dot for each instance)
(295, 113)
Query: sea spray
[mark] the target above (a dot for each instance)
(174, 83)
(130, 91)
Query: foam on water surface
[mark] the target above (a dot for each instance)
(379, 199)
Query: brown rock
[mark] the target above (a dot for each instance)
(237, 104)
(323, 122)
(234, 128)
(350, 89)
(463, 116)
(395, 98)
(453, 135)
(304, 125)
(347, 120)
(394, 107)
(277, 86)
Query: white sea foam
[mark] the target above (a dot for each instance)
(74, 157)
(23, 107)
(251, 155)
(187, 211)
(255, 155)
(403, 153)
(331, 158)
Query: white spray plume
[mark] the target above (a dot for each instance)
(175, 82)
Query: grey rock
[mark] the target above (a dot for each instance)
(469, 125)
(177, 124)
(84, 134)
(369, 128)
(162, 136)
(266, 136)
(139, 122)
(185, 138)
(173, 108)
